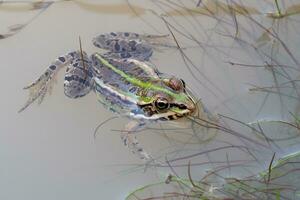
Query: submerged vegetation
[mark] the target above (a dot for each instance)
(238, 31)
(261, 125)
(280, 181)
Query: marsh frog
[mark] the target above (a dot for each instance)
(124, 81)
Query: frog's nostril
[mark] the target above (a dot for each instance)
(182, 106)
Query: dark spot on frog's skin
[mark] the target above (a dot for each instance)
(125, 55)
(126, 34)
(117, 47)
(96, 62)
(123, 49)
(113, 34)
(139, 72)
(75, 78)
(68, 78)
(108, 42)
(114, 85)
(132, 43)
(132, 89)
(62, 59)
(102, 35)
(52, 67)
(46, 73)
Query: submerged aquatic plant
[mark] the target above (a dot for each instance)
(252, 32)
(280, 181)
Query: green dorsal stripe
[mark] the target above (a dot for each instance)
(139, 83)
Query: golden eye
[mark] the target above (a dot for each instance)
(162, 104)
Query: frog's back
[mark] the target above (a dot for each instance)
(117, 71)
(115, 81)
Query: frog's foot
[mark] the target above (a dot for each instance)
(152, 163)
(43, 85)
(129, 45)
(129, 139)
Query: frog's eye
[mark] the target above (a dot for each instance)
(162, 104)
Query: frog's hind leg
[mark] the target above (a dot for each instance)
(79, 76)
(124, 47)
(39, 88)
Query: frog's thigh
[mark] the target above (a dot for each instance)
(78, 76)
(129, 139)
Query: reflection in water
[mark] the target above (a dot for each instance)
(26, 6)
(117, 9)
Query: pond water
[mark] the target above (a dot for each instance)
(241, 58)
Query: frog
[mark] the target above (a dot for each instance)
(125, 82)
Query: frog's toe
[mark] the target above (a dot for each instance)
(151, 162)
(37, 91)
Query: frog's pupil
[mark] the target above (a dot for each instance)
(161, 104)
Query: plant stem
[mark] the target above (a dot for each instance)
(278, 8)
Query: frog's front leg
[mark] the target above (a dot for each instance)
(129, 139)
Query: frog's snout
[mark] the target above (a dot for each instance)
(191, 106)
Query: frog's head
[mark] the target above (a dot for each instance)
(166, 99)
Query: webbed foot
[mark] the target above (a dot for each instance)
(130, 45)
(43, 85)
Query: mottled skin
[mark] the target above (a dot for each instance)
(124, 82)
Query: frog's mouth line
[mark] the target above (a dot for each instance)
(170, 115)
